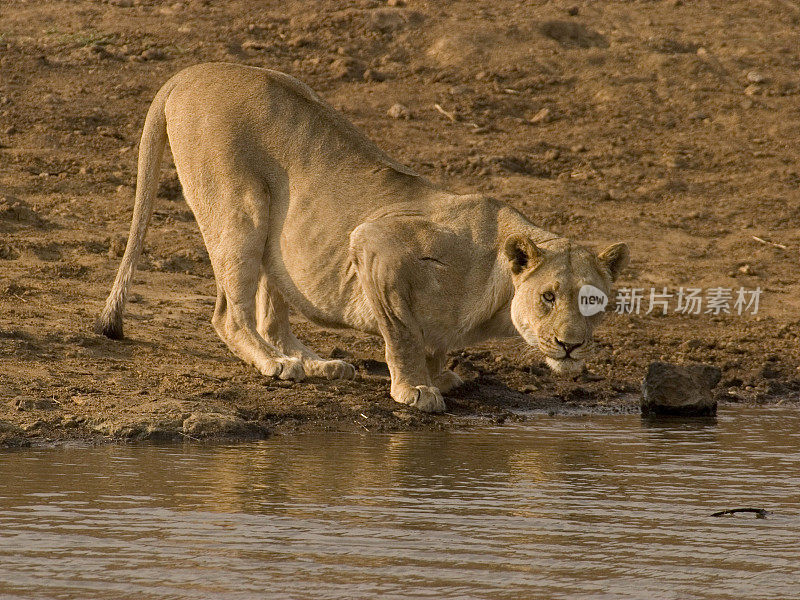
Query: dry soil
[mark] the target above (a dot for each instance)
(674, 126)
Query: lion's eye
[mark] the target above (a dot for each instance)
(549, 297)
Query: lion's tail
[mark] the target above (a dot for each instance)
(151, 151)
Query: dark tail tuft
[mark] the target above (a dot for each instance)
(108, 326)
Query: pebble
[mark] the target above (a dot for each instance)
(755, 77)
(543, 116)
(752, 90)
(747, 270)
(153, 54)
(577, 148)
(399, 111)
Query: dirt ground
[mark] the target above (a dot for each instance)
(674, 126)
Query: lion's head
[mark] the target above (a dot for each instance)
(547, 281)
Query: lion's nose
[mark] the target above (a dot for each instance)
(568, 348)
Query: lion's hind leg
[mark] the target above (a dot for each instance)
(236, 244)
(274, 326)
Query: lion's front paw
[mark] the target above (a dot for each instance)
(423, 397)
(331, 369)
(284, 368)
(447, 381)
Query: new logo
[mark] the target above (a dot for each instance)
(591, 300)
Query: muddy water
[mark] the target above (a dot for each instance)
(564, 507)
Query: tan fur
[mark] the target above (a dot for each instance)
(298, 209)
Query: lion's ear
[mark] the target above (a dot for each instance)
(615, 258)
(522, 253)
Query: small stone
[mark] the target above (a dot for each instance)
(752, 89)
(543, 116)
(10, 130)
(755, 77)
(396, 3)
(399, 111)
(153, 54)
(747, 270)
(577, 148)
(669, 389)
(573, 11)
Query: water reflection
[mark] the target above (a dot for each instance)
(561, 507)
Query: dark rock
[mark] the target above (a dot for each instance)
(769, 371)
(24, 403)
(674, 390)
(14, 210)
(218, 425)
(571, 34)
(340, 353)
(12, 436)
(8, 252)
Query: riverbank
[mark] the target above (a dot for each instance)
(671, 126)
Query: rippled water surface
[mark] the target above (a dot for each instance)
(562, 507)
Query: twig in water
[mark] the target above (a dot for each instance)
(759, 512)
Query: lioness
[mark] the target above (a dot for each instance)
(297, 208)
